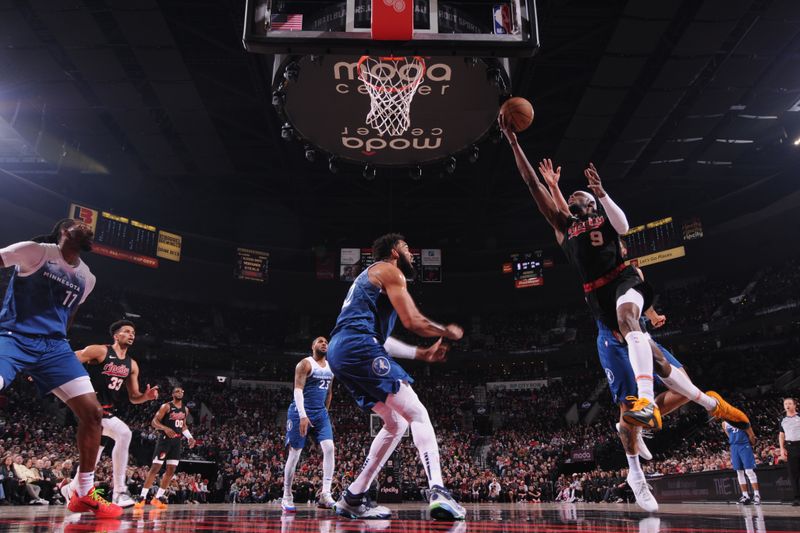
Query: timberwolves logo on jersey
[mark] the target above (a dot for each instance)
(381, 366)
(609, 375)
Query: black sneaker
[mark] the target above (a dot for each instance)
(745, 500)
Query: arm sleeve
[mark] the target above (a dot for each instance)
(27, 255)
(399, 349)
(615, 215)
(300, 403)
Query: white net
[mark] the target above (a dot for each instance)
(391, 83)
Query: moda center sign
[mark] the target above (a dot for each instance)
(326, 103)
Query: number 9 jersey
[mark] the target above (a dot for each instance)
(592, 246)
(108, 378)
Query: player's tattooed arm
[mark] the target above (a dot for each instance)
(156, 422)
(751, 435)
(392, 280)
(541, 195)
(135, 395)
(93, 354)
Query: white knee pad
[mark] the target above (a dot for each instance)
(740, 477)
(406, 402)
(751, 475)
(632, 296)
(2, 383)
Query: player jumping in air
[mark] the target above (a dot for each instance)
(49, 283)
(617, 296)
(309, 413)
(362, 356)
(171, 420)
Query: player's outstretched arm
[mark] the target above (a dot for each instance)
(394, 283)
(616, 216)
(539, 192)
(132, 384)
(93, 354)
(551, 178)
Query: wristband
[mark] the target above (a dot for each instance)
(399, 349)
(187, 434)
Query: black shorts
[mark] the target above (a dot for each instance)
(603, 301)
(168, 450)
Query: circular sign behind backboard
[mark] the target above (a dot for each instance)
(455, 106)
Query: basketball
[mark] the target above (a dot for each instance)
(518, 113)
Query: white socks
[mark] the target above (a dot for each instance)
(641, 357)
(145, 490)
(85, 483)
(634, 467)
(381, 448)
(160, 492)
(119, 459)
(288, 470)
(327, 465)
(406, 402)
(679, 382)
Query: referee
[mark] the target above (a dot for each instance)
(790, 445)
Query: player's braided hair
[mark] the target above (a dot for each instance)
(382, 247)
(55, 235)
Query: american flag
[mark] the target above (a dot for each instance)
(283, 21)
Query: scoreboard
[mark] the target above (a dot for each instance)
(660, 240)
(252, 265)
(127, 239)
(527, 269)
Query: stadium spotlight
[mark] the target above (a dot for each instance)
(450, 166)
(332, 166)
(311, 154)
(797, 142)
(292, 71)
(287, 132)
(474, 153)
(369, 172)
(415, 173)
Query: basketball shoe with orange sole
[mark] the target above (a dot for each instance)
(730, 414)
(643, 413)
(95, 503)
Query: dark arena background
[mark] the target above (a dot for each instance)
(221, 153)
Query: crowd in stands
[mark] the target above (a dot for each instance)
(496, 445)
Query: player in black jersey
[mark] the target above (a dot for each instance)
(614, 291)
(110, 368)
(171, 419)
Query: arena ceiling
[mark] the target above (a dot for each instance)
(155, 110)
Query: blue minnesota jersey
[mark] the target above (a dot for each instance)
(736, 437)
(44, 290)
(317, 384)
(366, 310)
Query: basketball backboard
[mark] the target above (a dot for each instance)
(491, 28)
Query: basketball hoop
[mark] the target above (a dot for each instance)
(391, 83)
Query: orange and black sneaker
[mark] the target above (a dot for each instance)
(643, 413)
(141, 501)
(159, 503)
(94, 502)
(730, 414)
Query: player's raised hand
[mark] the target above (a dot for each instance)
(435, 353)
(304, 425)
(454, 332)
(595, 184)
(550, 175)
(507, 131)
(658, 320)
(151, 393)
